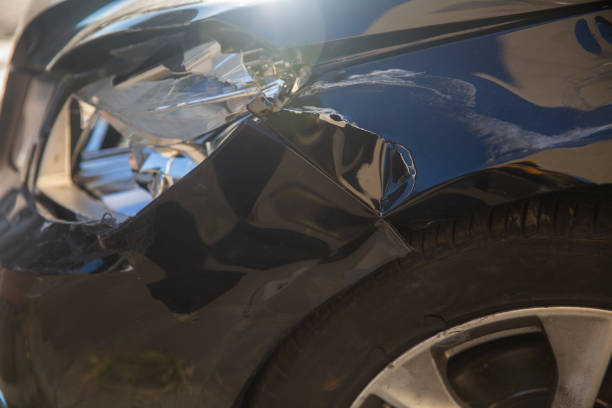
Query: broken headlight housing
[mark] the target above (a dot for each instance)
(120, 142)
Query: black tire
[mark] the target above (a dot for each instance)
(547, 251)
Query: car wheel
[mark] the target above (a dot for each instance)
(509, 308)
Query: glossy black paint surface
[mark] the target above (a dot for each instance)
(227, 251)
(413, 115)
(328, 30)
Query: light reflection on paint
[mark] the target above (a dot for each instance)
(3, 400)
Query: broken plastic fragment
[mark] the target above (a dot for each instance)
(209, 90)
(157, 170)
(142, 132)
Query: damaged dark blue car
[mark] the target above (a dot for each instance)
(289, 203)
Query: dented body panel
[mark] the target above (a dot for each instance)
(404, 122)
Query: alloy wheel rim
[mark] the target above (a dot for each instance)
(580, 340)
